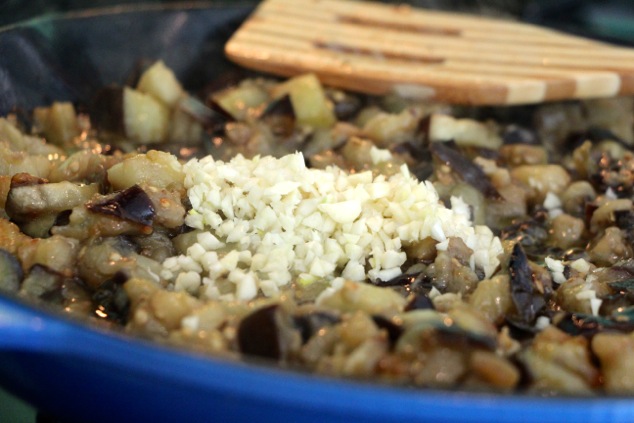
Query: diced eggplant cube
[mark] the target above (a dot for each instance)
(160, 82)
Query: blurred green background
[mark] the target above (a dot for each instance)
(13, 410)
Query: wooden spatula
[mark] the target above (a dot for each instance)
(378, 48)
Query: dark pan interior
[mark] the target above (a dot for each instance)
(67, 58)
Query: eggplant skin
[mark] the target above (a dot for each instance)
(11, 273)
(132, 204)
(468, 171)
(258, 334)
(107, 110)
(526, 298)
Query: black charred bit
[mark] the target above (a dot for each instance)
(520, 330)
(210, 116)
(280, 107)
(258, 333)
(624, 220)
(107, 110)
(614, 174)
(393, 330)
(458, 337)
(527, 301)
(345, 105)
(420, 302)
(111, 301)
(531, 233)
(403, 279)
(131, 204)
(310, 323)
(280, 116)
(594, 135)
(514, 134)
(623, 286)
(576, 324)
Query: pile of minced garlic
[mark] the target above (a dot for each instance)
(264, 222)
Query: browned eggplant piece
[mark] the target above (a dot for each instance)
(35, 204)
(417, 283)
(86, 166)
(44, 283)
(111, 302)
(39, 227)
(515, 134)
(220, 116)
(280, 107)
(620, 279)
(169, 210)
(130, 114)
(211, 116)
(446, 332)
(420, 301)
(624, 220)
(587, 325)
(310, 323)
(465, 169)
(103, 258)
(530, 232)
(28, 200)
(268, 332)
(58, 122)
(393, 330)
(454, 335)
(279, 115)
(613, 303)
(595, 135)
(131, 204)
(156, 246)
(614, 174)
(10, 271)
(345, 105)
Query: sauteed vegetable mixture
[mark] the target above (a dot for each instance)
(386, 239)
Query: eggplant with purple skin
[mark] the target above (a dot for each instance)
(131, 114)
(393, 329)
(309, 324)
(445, 331)
(35, 204)
(279, 115)
(527, 299)
(44, 283)
(103, 258)
(26, 202)
(588, 325)
(345, 105)
(10, 271)
(268, 332)
(131, 204)
(420, 301)
(110, 300)
(515, 134)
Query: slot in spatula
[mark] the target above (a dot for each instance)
(379, 48)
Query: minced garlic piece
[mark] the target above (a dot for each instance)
(268, 221)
